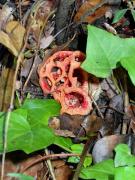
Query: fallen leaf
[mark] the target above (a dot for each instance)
(16, 33)
(64, 133)
(46, 41)
(92, 124)
(90, 11)
(38, 20)
(71, 123)
(62, 171)
(13, 38)
(5, 14)
(7, 42)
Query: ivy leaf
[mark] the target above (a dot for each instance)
(63, 142)
(105, 51)
(126, 63)
(125, 173)
(123, 156)
(119, 15)
(76, 148)
(28, 130)
(100, 171)
(87, 161)
(39, 110)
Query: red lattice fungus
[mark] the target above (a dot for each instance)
(61, 76)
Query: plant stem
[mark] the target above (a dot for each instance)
(87, 147)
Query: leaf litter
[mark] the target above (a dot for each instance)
(31, 33)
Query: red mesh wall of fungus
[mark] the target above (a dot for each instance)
(61, 76)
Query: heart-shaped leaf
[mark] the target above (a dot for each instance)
(105, 50)
(28, 130)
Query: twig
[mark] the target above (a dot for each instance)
(50, 166)
(86, 148)
(102, 107)
(126, 104)
(20, 10)
(50, 156)
(98, 109)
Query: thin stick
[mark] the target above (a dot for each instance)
(50, 166)
(109, 107)
(87, 147)
(98, 109)
(50, 156)
(126, 104)
(20, 10)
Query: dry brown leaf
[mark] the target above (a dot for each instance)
(103, 149)
(5, 15)
(62, 171)
(90, 11)
(16, 33)
(13, 38)
(38, 19)
(46, 41)
(64, 133)
(7, 42)
(92, 124)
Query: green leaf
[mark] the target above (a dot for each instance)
(100, 171)
(105, 51)
(119, 15)
(87, 161)
(77, 148)
(73, 159)
(123, 156)
(18, 127)
(40, 110)
(28, 130)
(63, 142)
(20, 176)
(133, 14)
(125, 173)
(126, 63)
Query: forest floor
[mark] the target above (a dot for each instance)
(67, 89)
